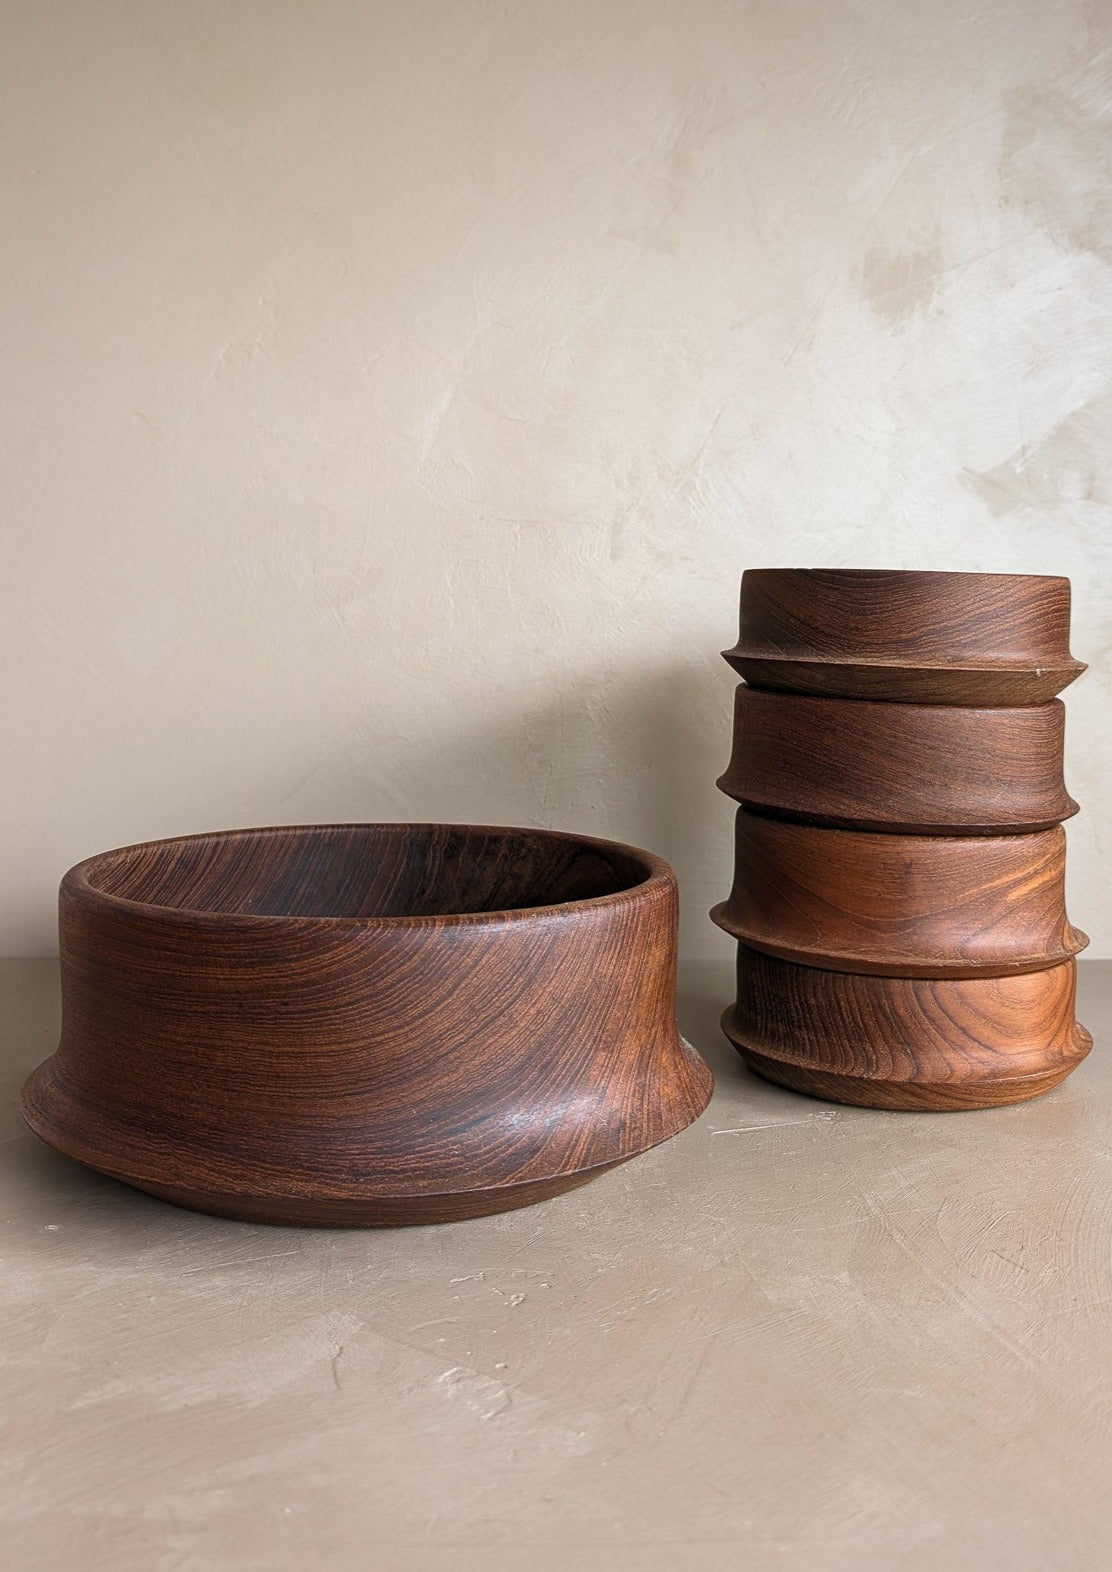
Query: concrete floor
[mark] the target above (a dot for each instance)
(798, 1336)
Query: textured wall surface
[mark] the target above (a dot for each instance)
(393, 393)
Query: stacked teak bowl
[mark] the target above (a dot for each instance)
(898, 890)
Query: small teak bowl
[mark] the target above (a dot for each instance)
(366, 1024)
(977, 639)
(913, 1043)
(929, 768)
(899, 905)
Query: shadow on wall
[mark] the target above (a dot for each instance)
(627, 756)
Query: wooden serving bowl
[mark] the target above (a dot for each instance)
(899, 905)
(366, 1024)
(936, 638)
(927, 768)
(896, 1042)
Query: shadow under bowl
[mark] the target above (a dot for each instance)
(979, 639)
(349, 1025)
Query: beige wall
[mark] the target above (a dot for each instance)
(394, 392)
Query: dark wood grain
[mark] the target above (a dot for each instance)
(978, 639)
(899, 864)
(366, 1024)
(911, 768)
(911, 1043)
(899, 905)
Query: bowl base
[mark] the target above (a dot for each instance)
(987, 687)
(55, 1119)
(918, 1096)
(400, 1211)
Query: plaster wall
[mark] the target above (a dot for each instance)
(393, 394)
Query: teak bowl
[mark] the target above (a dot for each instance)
(928, 768)
(914, 1043)
(899, 905)
(935, 638)
(366, 1024)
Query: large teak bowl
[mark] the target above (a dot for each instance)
(366, 1024)
(931, 638)
(933, 769)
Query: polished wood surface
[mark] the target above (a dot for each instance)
(364, 1024)
(912, 768)
(899, 861)
(899, 905)
(898, 1042)
(945, 638)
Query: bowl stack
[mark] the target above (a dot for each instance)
(898, 890)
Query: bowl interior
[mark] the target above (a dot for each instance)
(367, 870)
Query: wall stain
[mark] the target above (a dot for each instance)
(1067, 465)
(899, 283)
(1056, 157)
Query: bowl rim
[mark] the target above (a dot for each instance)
(659, 877)
(912, 573)
(984, 714)
(1008, 665)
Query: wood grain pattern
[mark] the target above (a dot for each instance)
(366, 1024)
(908, 768)
(910, 1043)
(899, 905)
(978, 639)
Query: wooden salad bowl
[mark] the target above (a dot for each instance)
(913, 1043)
(899, 905)
(977, 639)
(934, 769)
(366, 1024)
